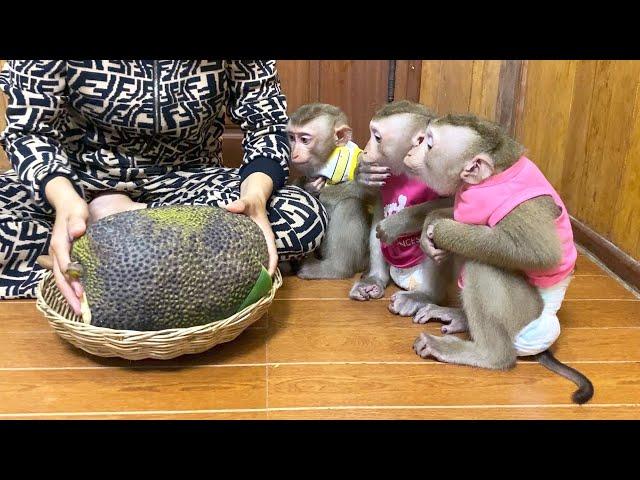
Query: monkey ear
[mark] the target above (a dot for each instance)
(343, 135)
(478, 169)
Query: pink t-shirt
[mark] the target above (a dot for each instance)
(490, 201)
(401, 191)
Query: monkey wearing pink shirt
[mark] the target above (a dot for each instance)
(514, 234)
(393, 130)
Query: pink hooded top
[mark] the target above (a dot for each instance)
(490, 201)
(399, 192)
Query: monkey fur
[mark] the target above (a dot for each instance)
(497, 300)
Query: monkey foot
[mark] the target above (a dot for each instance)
(311, 269)
(406, 304)
(428, 346)
(314, 269)
(454, 318)
(287, 268)
(366, 289)
(423, 345)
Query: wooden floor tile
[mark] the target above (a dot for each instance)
(432, 383)
(116, 390)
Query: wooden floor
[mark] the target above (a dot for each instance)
(318, 355)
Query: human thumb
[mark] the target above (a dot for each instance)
(237, 206)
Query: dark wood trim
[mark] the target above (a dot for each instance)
(408, 77)
(619, 262)
(391, 81)
(508, 94)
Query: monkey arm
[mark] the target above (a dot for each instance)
(408, 220)
(437, 214)
(525, 239)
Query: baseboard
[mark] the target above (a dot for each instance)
(619, 262)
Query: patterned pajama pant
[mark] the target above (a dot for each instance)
(298, 219)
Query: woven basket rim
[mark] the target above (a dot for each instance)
(43, 306)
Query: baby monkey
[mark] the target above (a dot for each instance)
(394, 129)
(323, 152)
(513, 232)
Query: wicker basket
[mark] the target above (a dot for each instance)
(134, 345)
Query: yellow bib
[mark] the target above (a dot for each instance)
(342, 164)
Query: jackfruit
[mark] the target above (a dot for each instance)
(170, 267)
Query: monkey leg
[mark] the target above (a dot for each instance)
(344, 248)
(455, 318)
(499, 356)
(313, 269)
(406, 304)
(288, 267)
(497, 305)
(373, 283)
(491, 349)
(430, 287)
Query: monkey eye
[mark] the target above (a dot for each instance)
(429, 141)
(305, 140)
(378, 138)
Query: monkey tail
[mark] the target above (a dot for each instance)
(585, 387)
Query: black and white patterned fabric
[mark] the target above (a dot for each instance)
(149, 128)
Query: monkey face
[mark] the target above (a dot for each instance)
(311, 144)
(438, 158)
(390, 141)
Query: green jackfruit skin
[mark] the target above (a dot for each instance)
(169, 267)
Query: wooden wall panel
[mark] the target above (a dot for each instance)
(484, 88)
(625, 230)
(547, 109)
(605, 170)
(461, 86)
(295, 81)
(408, 80)
(574, 168)
(430, 83)
(578, 119)
(358, 87)
(589, 124)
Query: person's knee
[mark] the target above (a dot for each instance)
(299, 222)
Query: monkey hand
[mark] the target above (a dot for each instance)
(314, 185)
(371, 174)
(428, 245)
(389, 229)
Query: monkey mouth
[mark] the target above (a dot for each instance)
(412, 169)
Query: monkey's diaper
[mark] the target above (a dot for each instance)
(408, 278)
(540, 334)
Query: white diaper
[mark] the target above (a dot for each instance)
(408, 278)
(540, 334)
